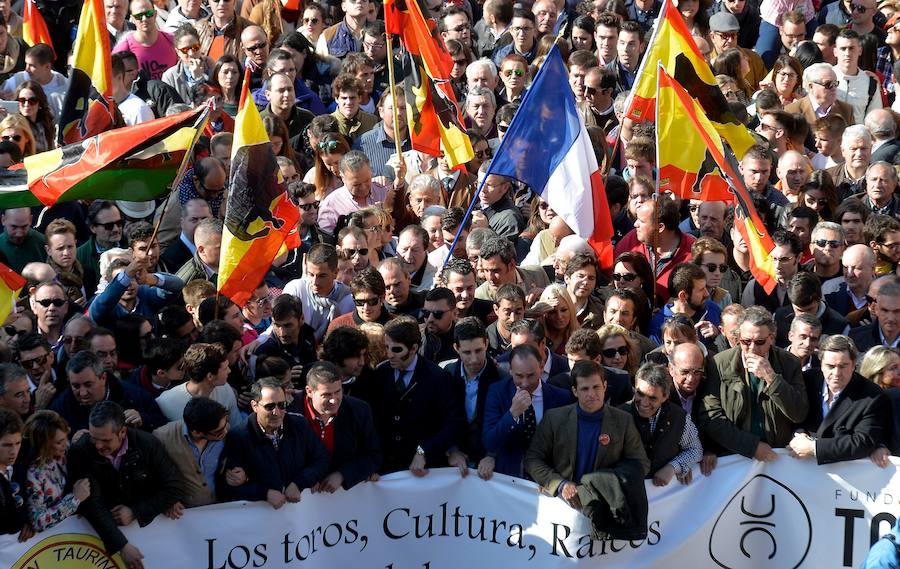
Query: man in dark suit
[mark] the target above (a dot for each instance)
(805, 295)
(13, 516)
(515, 407)
(180, 251)
(476, 371)
(576, 442)
(585, 344)
(345, 426)
(847, 413)
(531, 331)
(418, 410)
(881, 124)
(886, 329)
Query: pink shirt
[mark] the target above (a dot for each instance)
(772, 10)
(154, 59)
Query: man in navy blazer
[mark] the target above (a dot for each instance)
(514, 408)
(531, 331)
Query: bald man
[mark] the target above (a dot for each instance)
(20, 244)
(848, 294)
(793, 171)
(688, 369)
(255, 46)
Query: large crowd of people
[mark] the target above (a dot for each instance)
(380, 342)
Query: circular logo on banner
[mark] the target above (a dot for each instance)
(765, 524)
(69, 551)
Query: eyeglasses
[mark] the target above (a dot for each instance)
(256, 47)
(14, 138)
(858, 8)
(397, 349)
(189, 48)
(328, 145)
(141, 16)
(353, 252)
(543, 205)
(260, 301)
(891, 246)
(28, 100)
(787, 75)
(763, 126)
(748, 343)
(74, 340)
(438, 314)
(693, 372)
(693, 207)
(589, 91)
(459, 29)
(360, 302)
(57, 302)
(516, 72)
(313, 22)
(711, 267)
(833, 243)
(501, 128)
(103, 354)
(612, 352)
(35, 362)
(521, 29)
(12, 331)
(781, 260)
(111, 225)
(827, 84)
(270, 407)
(627, 277)
(310, 206)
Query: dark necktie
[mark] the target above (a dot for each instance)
(399, 382)
(529, 422)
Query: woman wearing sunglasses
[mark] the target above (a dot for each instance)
(313, 22)
(326, 174)
(632, 270)
(619, 351)
(15, 128)
(712, 257)
(514, 74)
(34, 107)
(193, 67)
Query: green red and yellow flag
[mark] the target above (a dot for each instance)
(672, 46)
(88, 108)
(135, 163)
(259, 215)
(34, 28)
(11, 283)
(719, 166)
(433, 113)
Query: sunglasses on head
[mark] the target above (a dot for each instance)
(711, 267)
(111, 225)
(366, 302)
(28, 100)
(46, 302)
(328, 145)
(270, 407)
(834, 244)
(310, 206)
(14, 137)
(141, 16)
(189, 48)
(438, 314)
(627, 277)
(612, 352)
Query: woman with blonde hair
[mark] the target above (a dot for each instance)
(16, 129)
(47, 435)
(881, 365)
(560, 319)
(619, 351)
(326, 174)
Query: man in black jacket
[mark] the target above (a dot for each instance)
(273, 456)
(344, 425)
(12, 492)
(131, 475)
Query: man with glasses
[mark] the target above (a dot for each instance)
(368, 293)
(20, 243)
(154, 49)
(786, 262)
(89, 383)
(821, 85)
(195, 443)
(439, 317)
(757, 398)
(726, 32)
(827, 247)
(689, 369)
(454, 24)
(106, 223)
(38, 361)
(255, 46)
(599, 92)
(524, 42)
(49, 304)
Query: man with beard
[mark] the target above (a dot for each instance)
(439, 316)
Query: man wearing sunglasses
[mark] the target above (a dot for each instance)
(419, 412)
(439, 317)
(828, 245)
(758, 397)
(599, 89)
(50, 305)
(821, 84)
(255, 46)
(368, 293)
(106, 223)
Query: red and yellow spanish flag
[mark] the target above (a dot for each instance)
(434, 116)
(88, 108)
(259, 214)
(11, 283)
(746, 218)
(34, 28)
(685, 140)
(672, 46)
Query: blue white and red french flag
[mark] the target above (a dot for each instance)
(547, 147)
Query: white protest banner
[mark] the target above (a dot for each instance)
(748, 514)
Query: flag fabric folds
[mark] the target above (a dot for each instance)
(135, 163)
(547, 147)
(87, 108)
(720, 158)
(11, 283)
(673, 46)
(34, 28)
(433, 113)
(684, 137)
(258, 215)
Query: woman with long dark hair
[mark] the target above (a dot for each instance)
(227, 75)
(33, 106)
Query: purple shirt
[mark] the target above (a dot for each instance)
(340, 202)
